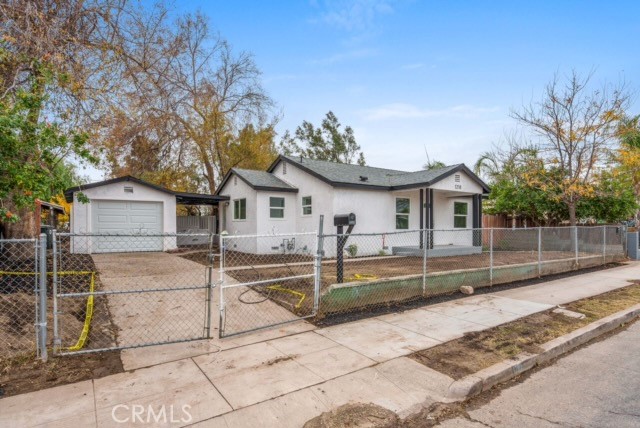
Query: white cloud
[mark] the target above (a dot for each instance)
(354, 15)
(409, 111)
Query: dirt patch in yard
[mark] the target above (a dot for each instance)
(24, 374)
(20, 371)
(251, 267)
(478, 350)
(297, 295)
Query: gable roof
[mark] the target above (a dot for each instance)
(181, 197)
(347, 175)
(258, 180)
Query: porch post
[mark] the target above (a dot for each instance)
(422, 210)
(430, 217)
(477, 209)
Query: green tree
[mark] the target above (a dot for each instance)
(435, 164)
(327, 142)
(35, 158)
(613, 198)
(628, 154)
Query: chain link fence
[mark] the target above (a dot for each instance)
(94, 292)
(22, 294)
(388, 268)
(123, 291)
(266, 281)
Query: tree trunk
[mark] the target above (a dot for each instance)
(25, 228)
(572, 213)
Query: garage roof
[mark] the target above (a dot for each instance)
(183, 198)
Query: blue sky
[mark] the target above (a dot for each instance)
(413, 74)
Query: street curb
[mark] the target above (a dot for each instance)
(485, 379)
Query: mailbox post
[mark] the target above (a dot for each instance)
(340, 221)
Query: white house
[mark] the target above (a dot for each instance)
(292, 194)
(127, 206)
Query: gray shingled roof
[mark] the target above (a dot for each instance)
(340, 173)
(262, 180)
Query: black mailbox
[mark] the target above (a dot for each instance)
(344, 219)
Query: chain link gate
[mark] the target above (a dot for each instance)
(126, 291)
(267, 281)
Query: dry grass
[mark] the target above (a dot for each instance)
(478, 350)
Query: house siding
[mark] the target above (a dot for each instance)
(466, 184)
(322, 197)
(236, 188)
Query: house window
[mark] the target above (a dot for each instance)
(306, 205)
(457, 178)
(284, 168)
(276, 207)
(235, 180)
(240, 209)
(460, 210)
(403, 207)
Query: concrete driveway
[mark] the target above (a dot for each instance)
(165, 300)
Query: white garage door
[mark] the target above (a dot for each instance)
(126, 218)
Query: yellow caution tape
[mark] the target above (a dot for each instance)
(87, 318)
(279, 287)
(362, 277)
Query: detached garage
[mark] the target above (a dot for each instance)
(129, 206)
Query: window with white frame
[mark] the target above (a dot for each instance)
(403, 208)
(240, 209)
(460, 211)
(306, 205)
(276, 207)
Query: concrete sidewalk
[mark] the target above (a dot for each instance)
(266, 380)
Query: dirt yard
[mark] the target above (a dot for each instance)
(19, 370)
(245, 267)
(478, 350)
(26, 373)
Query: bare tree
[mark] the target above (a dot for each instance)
(194, 96)
(576, 127)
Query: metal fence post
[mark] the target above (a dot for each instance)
(539, 251)
(222, 282)
(57, 342)
(425, 246)
(42, 316)
(575, 241)
(318, 266)
(491, 256)
(209, 287)
(604, 244)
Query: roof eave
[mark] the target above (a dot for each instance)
(276, 189)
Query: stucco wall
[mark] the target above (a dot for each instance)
(81, 213)
(238, 189)
(466, 184)
(321, 197)
(445, 234)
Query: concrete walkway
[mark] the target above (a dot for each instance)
(267, 380)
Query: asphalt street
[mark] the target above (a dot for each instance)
(597, 386)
